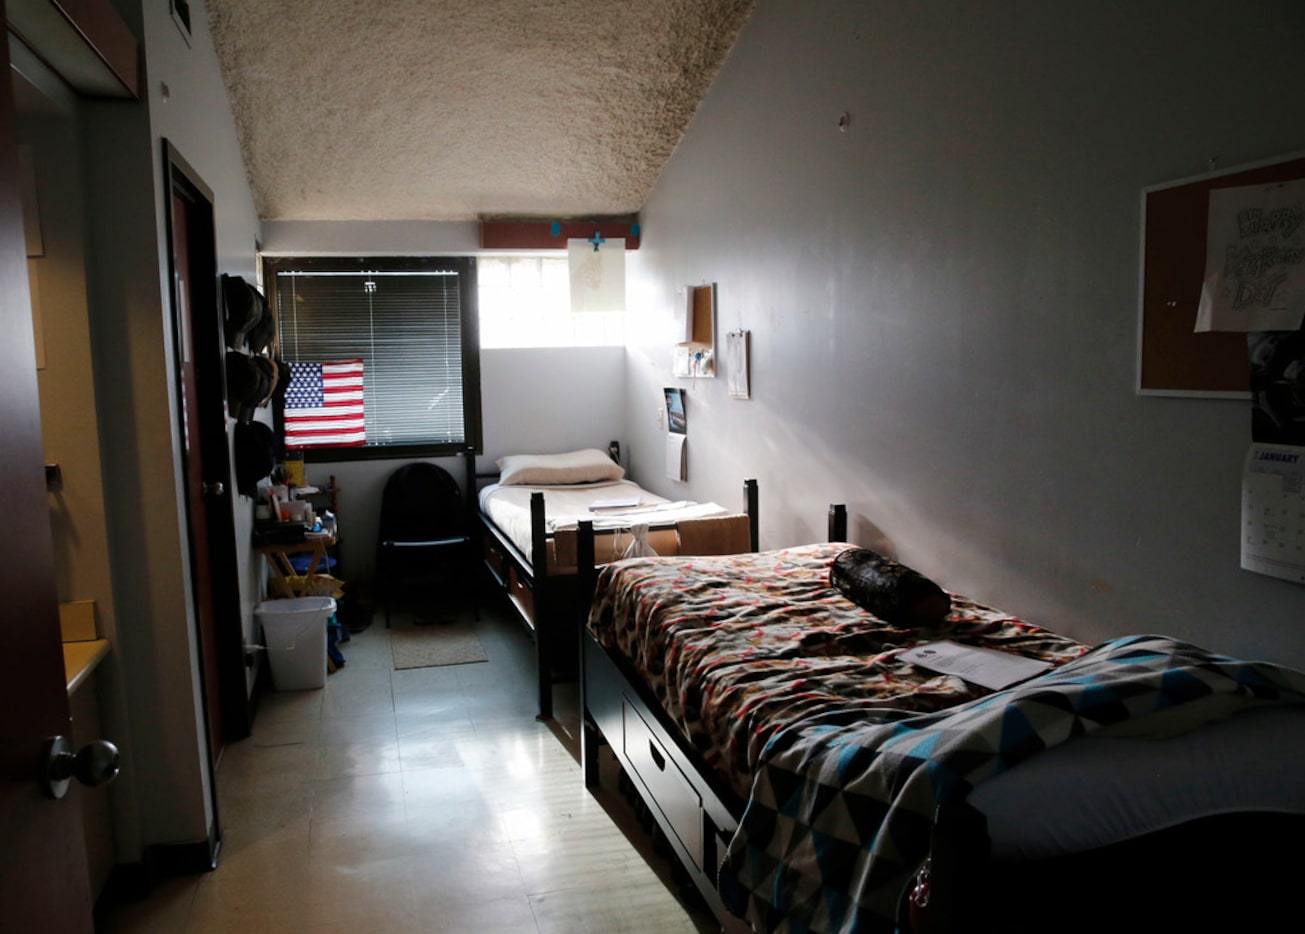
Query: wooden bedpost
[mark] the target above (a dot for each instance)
(750, 507)
(837, 522)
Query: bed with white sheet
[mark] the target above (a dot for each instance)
(529, 515)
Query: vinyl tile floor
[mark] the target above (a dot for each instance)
(426, 799)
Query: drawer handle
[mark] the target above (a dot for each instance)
(658, 759)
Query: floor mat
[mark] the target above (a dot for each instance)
(431, 646)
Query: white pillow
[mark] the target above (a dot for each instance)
(587, 466)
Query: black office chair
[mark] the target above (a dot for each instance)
(425, 532)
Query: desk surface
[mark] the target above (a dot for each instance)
(296, 548)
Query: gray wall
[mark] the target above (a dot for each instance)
(154, 663)
(943, 298)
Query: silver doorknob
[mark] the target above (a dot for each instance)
(212, 489)
(94, 764)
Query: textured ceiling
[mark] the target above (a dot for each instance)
(462, 109)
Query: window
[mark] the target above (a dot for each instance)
(383, 352)
(525, 301)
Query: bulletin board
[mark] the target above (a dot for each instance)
(1174, 360)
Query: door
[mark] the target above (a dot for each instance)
(44, 885)
(199, 353)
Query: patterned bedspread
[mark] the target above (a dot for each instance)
(842, 751)
(738, 647)
(840, 814)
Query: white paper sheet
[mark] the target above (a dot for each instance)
(1273, 511)
(988, 668)
(1254, 259)
(676, 468)
(614, 502)
(736, 363)
(597, 276)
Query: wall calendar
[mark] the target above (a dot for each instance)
(1273, 511)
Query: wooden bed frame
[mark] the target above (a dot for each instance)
(554, 606)
(1234, 866)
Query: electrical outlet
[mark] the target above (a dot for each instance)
(661, 417)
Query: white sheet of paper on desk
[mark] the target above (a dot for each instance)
(1273, 511)
(987, 668)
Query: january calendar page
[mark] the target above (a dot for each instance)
(1273, 511)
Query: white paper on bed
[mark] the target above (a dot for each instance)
(614, 503)
(987, 668)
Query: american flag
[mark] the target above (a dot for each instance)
(324, 405)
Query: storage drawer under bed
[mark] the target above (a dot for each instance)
(522, 594)
(512, 580)
(494, 559)
(672, 793)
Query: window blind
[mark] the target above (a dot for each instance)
(407, 326)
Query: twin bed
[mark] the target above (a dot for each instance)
(530, 510)
(808, 777)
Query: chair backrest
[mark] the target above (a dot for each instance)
(421, 502)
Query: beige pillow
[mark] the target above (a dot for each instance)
(587, 466)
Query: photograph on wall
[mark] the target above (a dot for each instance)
(677, 421)
(1277, 387)
(1254, 259)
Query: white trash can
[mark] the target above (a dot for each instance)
(294, 632)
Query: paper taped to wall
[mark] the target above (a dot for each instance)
(676, 468)
(1273, 511)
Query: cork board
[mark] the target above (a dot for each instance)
(1173, 360)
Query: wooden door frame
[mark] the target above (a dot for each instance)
(208, 348)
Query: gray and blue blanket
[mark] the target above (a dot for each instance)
(842, 807)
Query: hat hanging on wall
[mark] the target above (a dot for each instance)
(248, 384)
(269, 376)
(241, 309)
(256, 451)
(282, 378)
(264, 329)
